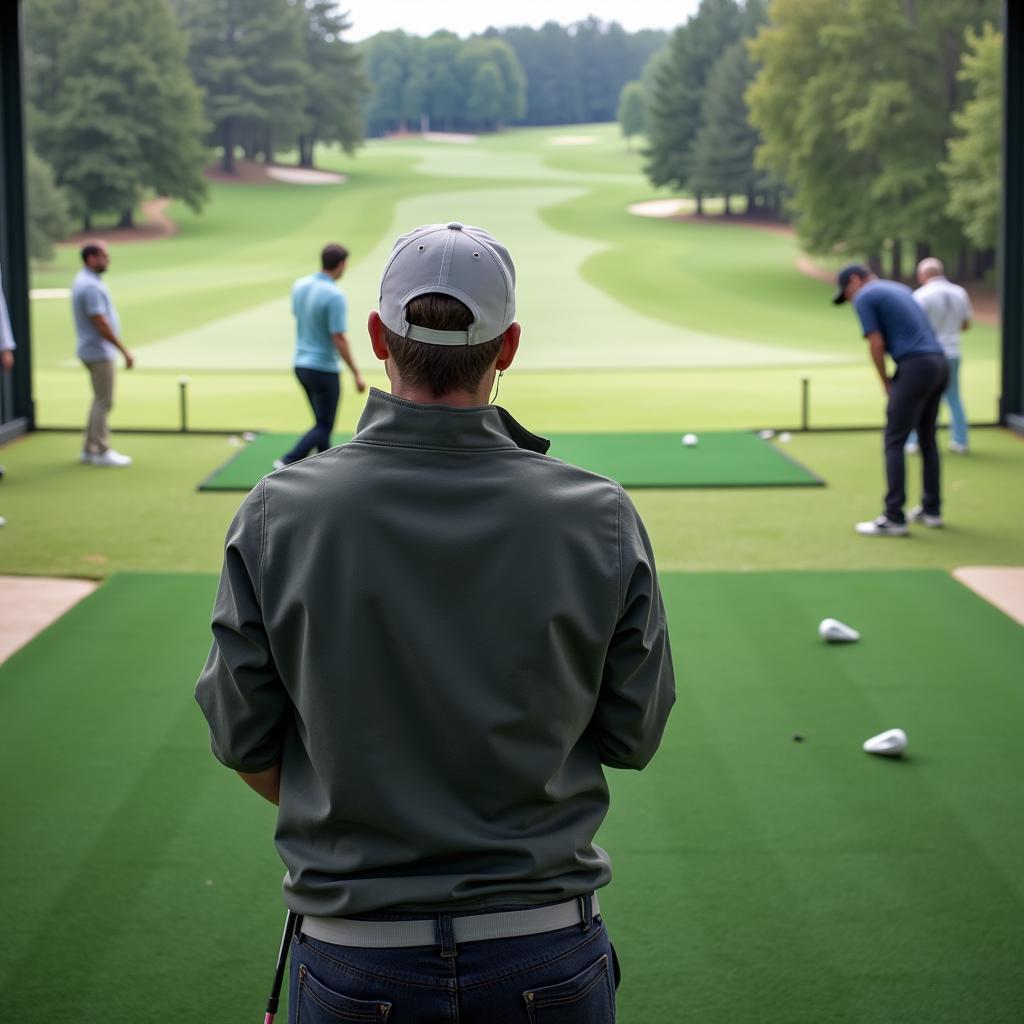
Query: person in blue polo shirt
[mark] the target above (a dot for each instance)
(894, 323)
(321, 319)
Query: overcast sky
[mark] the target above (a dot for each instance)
(421, 17)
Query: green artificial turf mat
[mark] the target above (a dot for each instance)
(720, 459)
(756, 878)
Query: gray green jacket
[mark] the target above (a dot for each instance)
(441, 633)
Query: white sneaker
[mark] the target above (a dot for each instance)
(918, 515)
(3, 522)
(911, 448)
(957, 448)
(111, 458)
(882, 527)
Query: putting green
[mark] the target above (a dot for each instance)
(850, 888)
(635, 460)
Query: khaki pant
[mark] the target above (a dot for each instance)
(97, 434)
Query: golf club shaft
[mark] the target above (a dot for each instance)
(291, 923)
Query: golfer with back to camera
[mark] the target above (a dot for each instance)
(427, 644)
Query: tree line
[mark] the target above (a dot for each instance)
(874, 125)
(440, 82)
(554, 74)
(126, 97)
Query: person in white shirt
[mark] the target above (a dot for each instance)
(948, 307)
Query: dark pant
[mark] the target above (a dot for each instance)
(561, 977)
(914, 405)
(323, 391)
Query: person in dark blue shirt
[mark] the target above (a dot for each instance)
(894, 323)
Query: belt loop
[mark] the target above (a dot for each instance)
(446, 935)
(586, 912)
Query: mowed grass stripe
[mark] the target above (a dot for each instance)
(731, 459)
(756, 878)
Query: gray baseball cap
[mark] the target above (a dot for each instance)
(453, 259)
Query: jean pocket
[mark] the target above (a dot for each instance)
(585, 998)
(318, 1004)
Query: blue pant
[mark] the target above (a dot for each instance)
(561, 977)
(957, 416)
(323, 391)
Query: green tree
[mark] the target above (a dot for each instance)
(791, 103)
(678, 90)
(505, 98)
(973, 167)
(444, 90)
(335, 83)
(723, 150)
(49, 218)
(249, 57)
(486, 96)
(632, 113)
(387, 59)
(860, 141)
(548, 58)
(128, 116)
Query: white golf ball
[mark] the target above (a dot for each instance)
(785, 437)
(690, 440)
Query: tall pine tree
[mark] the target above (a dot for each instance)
(127, 115)
(249, 57)
(335, 83)
(679, 83)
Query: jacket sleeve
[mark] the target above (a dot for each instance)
(638, 686)
(239, 690)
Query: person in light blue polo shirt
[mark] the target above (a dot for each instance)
(321, 320)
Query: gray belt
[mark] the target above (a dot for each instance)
(345, 931)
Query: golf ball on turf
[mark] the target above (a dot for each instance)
(690, 440)
(785, 437)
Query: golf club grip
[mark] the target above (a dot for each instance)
(291, 923)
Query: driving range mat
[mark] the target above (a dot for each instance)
(719, 459)
(761, 840)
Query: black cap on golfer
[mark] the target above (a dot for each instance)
(844, 279)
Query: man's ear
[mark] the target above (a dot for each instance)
(375, 327)
(509, 346)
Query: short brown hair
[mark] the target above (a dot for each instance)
(441, 368)
(332, 256)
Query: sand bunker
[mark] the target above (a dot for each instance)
(573, 140)
(660, 207)
(457, 138)
(305, 176)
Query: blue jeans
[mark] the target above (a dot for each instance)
(323, 391)
(957, 416)
(560, 977)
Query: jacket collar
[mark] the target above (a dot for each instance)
(390, 420)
